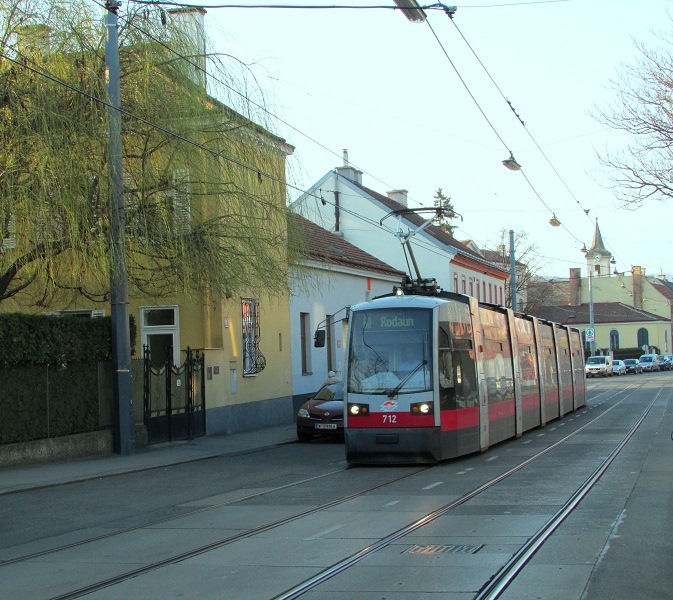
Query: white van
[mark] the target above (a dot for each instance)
(598, 365)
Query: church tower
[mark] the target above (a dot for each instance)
(598, 257)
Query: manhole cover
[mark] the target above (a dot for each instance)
(438, 549)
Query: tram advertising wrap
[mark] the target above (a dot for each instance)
(434, 377)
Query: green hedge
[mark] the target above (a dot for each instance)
(55, 340)
(42, 401)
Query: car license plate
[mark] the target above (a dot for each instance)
(325, 426)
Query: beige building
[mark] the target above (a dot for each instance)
(630, 310)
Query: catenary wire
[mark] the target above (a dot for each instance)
(184, 139)
(436, 6)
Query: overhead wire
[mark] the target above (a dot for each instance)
(523, 124)
(187, 140)
(47, 75)
(234, 90)
(449, 11)
(436, 6)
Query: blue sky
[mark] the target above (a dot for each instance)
(395, 94)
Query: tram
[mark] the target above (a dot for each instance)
(432, 375)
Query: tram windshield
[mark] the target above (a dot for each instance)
(390, 351)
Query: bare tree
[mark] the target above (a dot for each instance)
(528, 263)
(204, 184)
(545, 292)
(643, 109)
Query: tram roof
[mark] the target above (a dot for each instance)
(406, 301)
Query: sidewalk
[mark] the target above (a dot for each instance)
(34, 476)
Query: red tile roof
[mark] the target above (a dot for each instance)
(325, 246)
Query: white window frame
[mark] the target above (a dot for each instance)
(172, 330)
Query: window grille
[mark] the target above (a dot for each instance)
(253, 359)
(8, 239)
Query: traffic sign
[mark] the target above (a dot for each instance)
(589, 333)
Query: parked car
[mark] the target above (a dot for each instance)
(633, 366)
(649, 362)
(618, 367)
(323, 414)
(665, 361)
(598, 365)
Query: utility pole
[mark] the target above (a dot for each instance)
(512, 270)
(124, 441)
(592, 325)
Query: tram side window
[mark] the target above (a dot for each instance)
(465, 376)
(447, 389)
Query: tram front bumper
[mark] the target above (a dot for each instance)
(393, 446)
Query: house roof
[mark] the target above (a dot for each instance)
(665, 288)
(439, 234)
(604, 312)
(324, 246)
(493, 256)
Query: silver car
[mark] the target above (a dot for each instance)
(618, 367)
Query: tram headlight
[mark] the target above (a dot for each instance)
(358, 410)
(422, 408)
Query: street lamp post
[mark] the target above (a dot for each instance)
(592, 342)
(121, 346)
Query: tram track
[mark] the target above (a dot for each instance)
(313, 582)
(505, 576)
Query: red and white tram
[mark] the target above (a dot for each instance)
(433, 377)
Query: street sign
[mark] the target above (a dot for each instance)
(589, 333)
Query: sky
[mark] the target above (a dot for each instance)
(421, 106)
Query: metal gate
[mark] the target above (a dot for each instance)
(174, 398)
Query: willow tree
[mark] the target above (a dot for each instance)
(204, 185)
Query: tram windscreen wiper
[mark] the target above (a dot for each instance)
(392, 393)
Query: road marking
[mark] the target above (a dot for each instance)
(433, 485)
(320, 534)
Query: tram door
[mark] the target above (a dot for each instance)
(480, 364)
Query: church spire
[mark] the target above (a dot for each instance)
(598, 257)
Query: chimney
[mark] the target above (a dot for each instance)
(399, 196)
(574, 295)
(190, 37)
(349, 172)
(637, 281)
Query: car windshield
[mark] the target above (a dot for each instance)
(334, 391)
(646, 359)
(596, 360)
(630, 361)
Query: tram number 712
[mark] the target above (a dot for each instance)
(389, 418)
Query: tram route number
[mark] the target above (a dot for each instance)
(389, 418)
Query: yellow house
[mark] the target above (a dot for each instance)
(232, 188)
